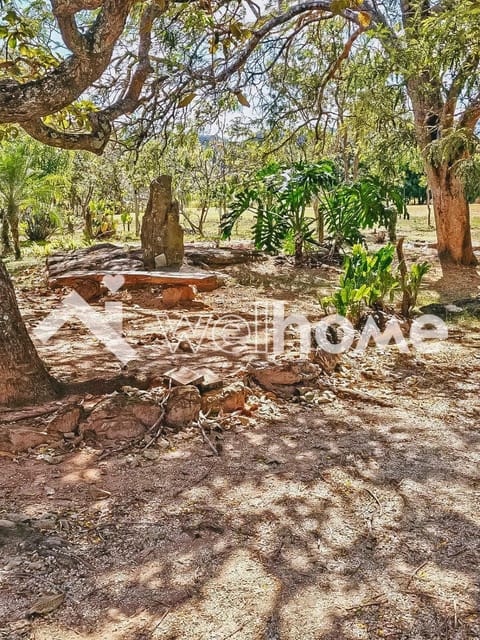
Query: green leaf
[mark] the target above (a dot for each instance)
(186, 100)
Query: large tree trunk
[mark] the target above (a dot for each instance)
(434, 121)
(23, 377)
(452, 217)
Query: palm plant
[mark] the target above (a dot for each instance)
(279, 197)
(27, 181)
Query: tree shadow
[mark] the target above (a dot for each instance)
(316, 524)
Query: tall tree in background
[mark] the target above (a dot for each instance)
(436, 50)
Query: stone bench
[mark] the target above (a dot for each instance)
(176, 287)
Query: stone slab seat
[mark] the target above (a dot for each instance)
(89, 283)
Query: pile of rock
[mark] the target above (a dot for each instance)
(178, 399)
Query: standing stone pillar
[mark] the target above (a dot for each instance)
(161, 234)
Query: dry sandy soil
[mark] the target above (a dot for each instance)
(348, 519)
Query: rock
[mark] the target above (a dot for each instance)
(227, 400)
(98, 256)
(24, 438)
(147, 412)
(18, 518)
(183, 406)
(121, 417)
(283, 377)
(327, 361)
(173, 295)
(210, 380)
(151, 454)
(185, 346)
(161, 232)
(66, 421)
(89, 290)
(215, 257)
(268, 374)
(160, 261)
(182, 376)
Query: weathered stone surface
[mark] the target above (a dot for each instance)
(104, 256)
(173, 295)
(231, 398)
(183, 406)
(283, 377)
(66, 421)
(215, 257)
(29, 427)
(161, 232)
(182, 376)
(23, 438)
(121, 418)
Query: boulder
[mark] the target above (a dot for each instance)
(183, 406)
(121, 417)
(283, 377)
(23, 438)
(65, 421)
(161, 234)
(173, 295)
(231, 398)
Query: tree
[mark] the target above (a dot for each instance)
(23, 376)
(411, 76)
(436, 53)
(40, 88)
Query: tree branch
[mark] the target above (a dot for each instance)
(59, 88)
(70, 7)
(95, 142)
(471, 115)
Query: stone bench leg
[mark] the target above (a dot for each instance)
(173, 295)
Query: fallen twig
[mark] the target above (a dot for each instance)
(412, 575)
(361, 395)
(370, 493)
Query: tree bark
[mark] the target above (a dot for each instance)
(450, 204)
(13, 220)
(452, 217)
(23, 377)
(6, 246)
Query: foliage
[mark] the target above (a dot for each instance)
(367, 281)
(102, 218)
(31, 179)
(40, 224)
(279, 196)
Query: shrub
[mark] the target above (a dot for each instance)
(40, 224)
(367, 282)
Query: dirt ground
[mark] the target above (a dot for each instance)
(352, 518)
